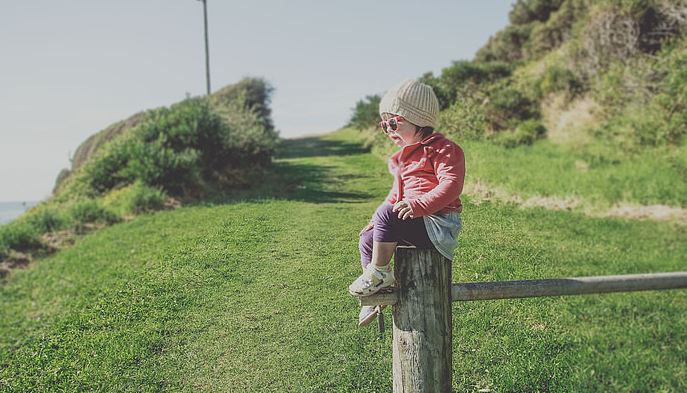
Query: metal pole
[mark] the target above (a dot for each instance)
(207, 45)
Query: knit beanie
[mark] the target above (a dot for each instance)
(413, 100)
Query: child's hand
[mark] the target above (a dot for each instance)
(403, 209)
(369, 226)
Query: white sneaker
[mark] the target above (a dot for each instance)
(371, 281)
(368, 314)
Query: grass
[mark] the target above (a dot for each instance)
(654, 176)
(247, 293)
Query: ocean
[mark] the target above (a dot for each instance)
(11, 210)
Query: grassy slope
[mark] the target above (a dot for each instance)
(552, 170)
(249, 295)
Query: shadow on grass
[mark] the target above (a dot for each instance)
(316, 147)
(315, 183)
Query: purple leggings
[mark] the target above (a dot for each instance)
(389, 228)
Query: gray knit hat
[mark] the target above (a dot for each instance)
(413, 100)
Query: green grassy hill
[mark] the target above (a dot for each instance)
(248, 293)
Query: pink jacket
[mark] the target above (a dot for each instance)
(430, 174)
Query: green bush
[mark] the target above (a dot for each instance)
(526, 11)
(465, 119)
(507, 107)
(91, 211)
(558, 79)
(508, 45)
(556, 30)
(526, 133)
(47, 219)
(157, 165)
(644, 101)
(19, 235)
(671, 100)
(145, 198)
(253, 95)
(104, 170)
(180, 148)
(135, 199)
(243, 141)
(464, 76)
(365, 113)
(184, 150)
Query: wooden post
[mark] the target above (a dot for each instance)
(422, 322)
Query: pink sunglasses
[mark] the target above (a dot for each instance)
(391, 124)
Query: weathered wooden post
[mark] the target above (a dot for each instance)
(422, 321)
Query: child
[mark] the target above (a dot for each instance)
(423, 207)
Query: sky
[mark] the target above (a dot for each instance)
(70, 68)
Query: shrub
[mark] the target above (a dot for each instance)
(19, 235)
(556, 30)
(183, 150)
(526, 11)
(243, 140)
(670, 103)
(253, 94)
(157, 165)
(611, 35)
(91, 211)
(526, 133)
(463, 75)
(365, 113)
(145, 198)
(179, 149)
(506, 46)
(644, 100)
(558, 79)
(135, 199)
(465, 119)
(618, 31)
(47, 219)
(507, 107)
(104, 171)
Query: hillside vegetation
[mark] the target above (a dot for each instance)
(592, 93)
(154, 159)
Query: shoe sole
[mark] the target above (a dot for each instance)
(379, 290)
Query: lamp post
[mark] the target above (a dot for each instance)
(207, 46)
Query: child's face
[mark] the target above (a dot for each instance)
(405, 131)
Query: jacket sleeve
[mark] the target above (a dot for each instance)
(449, 167)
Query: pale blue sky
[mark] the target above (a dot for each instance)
(70, 68)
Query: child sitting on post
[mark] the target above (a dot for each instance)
(423, 207)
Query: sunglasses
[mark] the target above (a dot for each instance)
(391, 124)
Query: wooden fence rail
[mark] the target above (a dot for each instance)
(470, 291)
(423, 331)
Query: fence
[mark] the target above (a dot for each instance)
(422, 322)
